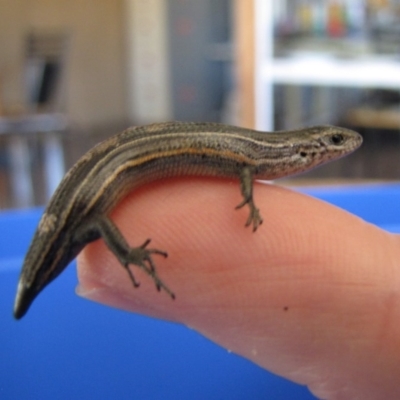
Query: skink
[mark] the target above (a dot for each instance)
(78, 211)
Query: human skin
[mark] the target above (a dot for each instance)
(313, 295)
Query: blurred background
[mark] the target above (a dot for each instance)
(74, 72)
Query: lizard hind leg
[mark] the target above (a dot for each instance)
(140, 256)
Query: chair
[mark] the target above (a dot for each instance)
(44, 70)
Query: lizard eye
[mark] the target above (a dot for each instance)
(337, 139)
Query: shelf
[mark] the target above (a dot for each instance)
(372, 73)
(311, 68)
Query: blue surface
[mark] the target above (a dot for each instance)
(68, 348)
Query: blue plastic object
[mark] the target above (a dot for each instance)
(69, 348)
